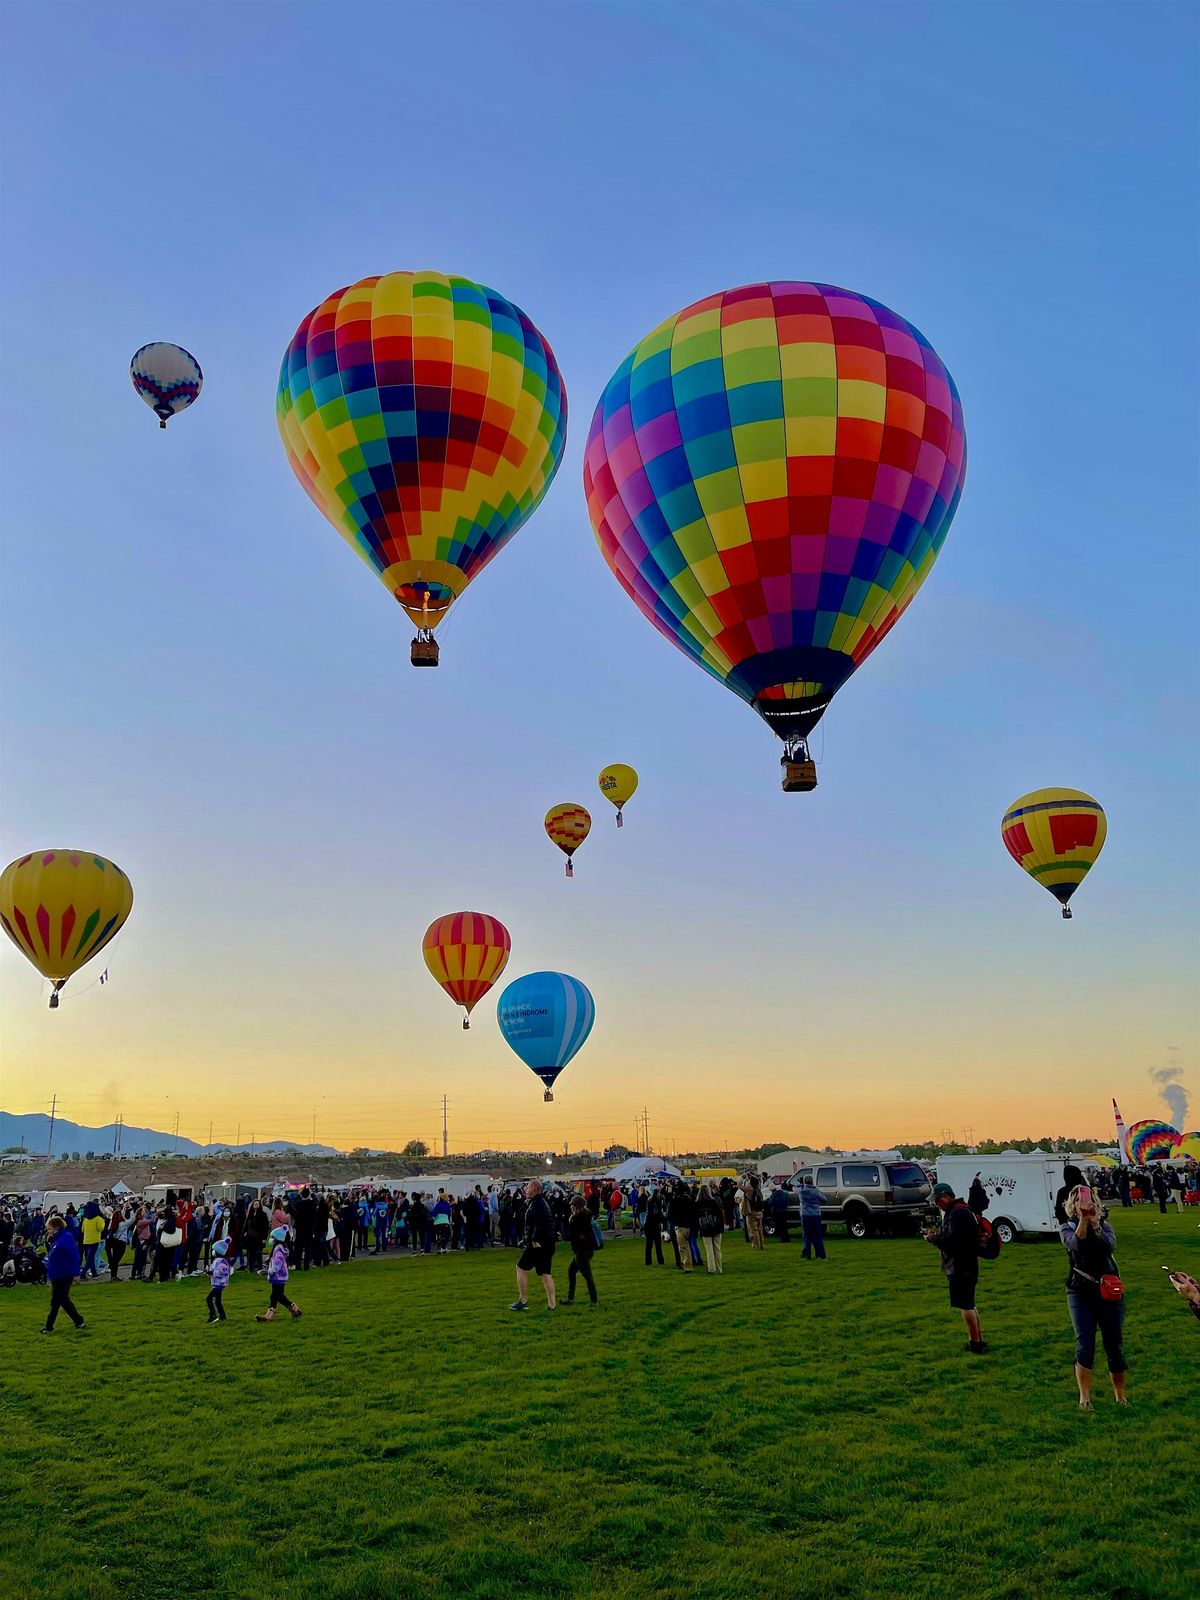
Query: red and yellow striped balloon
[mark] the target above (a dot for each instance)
(568, 826)
(1055, 835)
(466, 952)
(60, 907)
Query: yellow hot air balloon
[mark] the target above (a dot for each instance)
(59, 907)
(1056, 835)
(568, 826)
(617, 784)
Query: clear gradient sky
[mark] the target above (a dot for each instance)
(202, 682)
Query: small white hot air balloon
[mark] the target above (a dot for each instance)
(167, 377)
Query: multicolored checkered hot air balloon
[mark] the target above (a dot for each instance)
(425, 415)
(466, 952)
(1056, 835)
(545, 1017)
(60, 907)
(167, 377)
(771, 474)
(567, 826)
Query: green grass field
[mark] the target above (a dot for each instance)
(789, 1429)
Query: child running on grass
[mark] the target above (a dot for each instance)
(277, 1277)
(219, 1271)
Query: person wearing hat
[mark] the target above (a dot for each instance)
(958, 1241)
(277, 1277)
(219, 1271)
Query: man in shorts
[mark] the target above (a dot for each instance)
(958, 1241)
(538, 1253)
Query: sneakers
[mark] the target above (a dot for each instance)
(1086, 1405)
(517, 1305)
(45, 1330)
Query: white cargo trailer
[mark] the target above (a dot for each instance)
(1021, 1189)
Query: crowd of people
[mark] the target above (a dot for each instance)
(315, 1228)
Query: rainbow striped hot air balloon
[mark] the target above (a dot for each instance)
(61, 907)
(466, 952)
(425, 416)
(1151, 1140)
(770, 475)
(1055, 835)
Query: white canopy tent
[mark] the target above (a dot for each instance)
(636, 1169)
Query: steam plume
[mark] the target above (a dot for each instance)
(1170, 1084)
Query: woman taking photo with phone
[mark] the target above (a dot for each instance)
(1094, 1291)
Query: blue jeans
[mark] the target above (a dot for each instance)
(1090, 1313)
(89, 1261)
(814, 1237)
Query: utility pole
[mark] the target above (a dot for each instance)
(210, 1132)
(117, 1134)
(314, 1137)
(445, 1140)
(50, 1142)
(175, 1134)
(645, 1131)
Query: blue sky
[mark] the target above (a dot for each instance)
(203, 683)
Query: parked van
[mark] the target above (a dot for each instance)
(867, 1196)
(1020, 1189)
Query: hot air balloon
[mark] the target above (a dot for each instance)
(1189, 1145)
(770, 475)
(466, 952)
(1056, 835)
(167, 377)
(568, 826)
(617, 784)
(59, 907)
(546, 1018)
(425, 416)
(1151, 1140)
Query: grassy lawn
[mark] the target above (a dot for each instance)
(791, 1429)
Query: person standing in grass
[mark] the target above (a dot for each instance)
(752, 1212)
(1090, 1242)
(681, 1213)
(219, 1270)
(63, 1262)
(91, 1234)
(812, 1228)
(538, 1254)
(710, 1220)
(277, 1277)
(652, 1222)
(958, 1241)
(582, 1240)
(254, 1235)
(116, 1237)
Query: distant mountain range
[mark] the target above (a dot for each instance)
(70, 1137)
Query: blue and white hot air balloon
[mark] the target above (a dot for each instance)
(546, 1018)
(167, 377)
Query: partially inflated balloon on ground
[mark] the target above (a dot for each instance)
(1055, 835)
(60, 907)
(425, 416)
(1189, 1145)
(1151, 1140)
(167, 377)
(567, 826)
(466, 952)
(546, 1017)
(771, 474)
(617, 784)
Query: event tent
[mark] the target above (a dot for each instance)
(637, 1168)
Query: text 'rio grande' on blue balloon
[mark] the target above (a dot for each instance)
(546, 1018)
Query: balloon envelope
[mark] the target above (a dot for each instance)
(466, 952)
(770, 475)
(1055, 835)
(568, 825)
(167, 377)
(618, 783)
(1151, 1140)
(546, 1018)
(426, 417)
(60, 907)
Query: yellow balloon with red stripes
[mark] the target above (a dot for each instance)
(1056, 836)
(466, 952)
(568, 825)
(61, 907)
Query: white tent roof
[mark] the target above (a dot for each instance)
(120, 1188)
(638, 1167)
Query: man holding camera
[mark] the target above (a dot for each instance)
(958, 1241)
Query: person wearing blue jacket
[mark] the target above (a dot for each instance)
(810, 1220)
(63, 1263)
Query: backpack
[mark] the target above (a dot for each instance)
(989, 1241)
